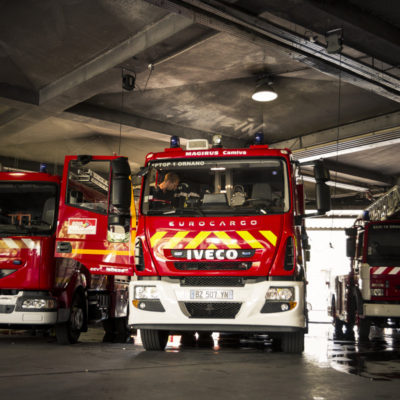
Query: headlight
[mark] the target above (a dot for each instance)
(280, 293)
(38, 304)
(377, 292)
(146, 292)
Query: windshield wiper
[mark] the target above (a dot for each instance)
(189, 211)
(249, 210)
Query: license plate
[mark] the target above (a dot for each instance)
(213, 294)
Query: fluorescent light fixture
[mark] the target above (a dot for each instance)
(340, 185)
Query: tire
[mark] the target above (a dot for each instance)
(188, 339)
(363, 328)
(109, 330)
(154, 340)
(338, 326)
(293, 342)
(363, 324)
(116, 331)
(205, 339)
(68, 332)
(337, 323)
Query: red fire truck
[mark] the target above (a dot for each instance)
(370, 293)
(65, 247)
(225, 253)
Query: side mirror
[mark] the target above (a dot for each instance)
(121, 194)
(351, 247)
(323, 197)
(321, 173)
(350, 231)
(143, 171)
(121, 187)
(322, 190)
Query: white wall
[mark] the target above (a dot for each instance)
(328, 259)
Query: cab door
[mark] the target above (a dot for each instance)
(94, 221)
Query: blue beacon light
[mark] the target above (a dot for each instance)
(43, 167)
(174, 142)
(259, 138)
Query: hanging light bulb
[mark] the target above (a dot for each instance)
(264, 91)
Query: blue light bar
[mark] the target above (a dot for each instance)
(43, 167)
(259, 138)
(174, 142)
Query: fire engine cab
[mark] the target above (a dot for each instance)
(65, 247)
(225, 251)
(370, 293)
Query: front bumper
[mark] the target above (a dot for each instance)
(381, 310)
(12, 314)
(245, 311)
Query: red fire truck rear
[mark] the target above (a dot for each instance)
(65, 247)
(370, 293)
(225, 254)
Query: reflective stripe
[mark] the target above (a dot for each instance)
(197, 240)
(174, 241)
(102, 252)
(227, 240)
(31, 244)
(270, 236)
(394, 271)
(156, 237)
(11, 244)
(379, 271)
(250, 239)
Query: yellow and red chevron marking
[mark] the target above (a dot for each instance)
(25, 243)
(385, 270)
(214, 239)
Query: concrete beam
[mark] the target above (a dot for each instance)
(90, 113)
(222, 17)
(358, 24)
(85, 81)
(150, 36)
(18, 93)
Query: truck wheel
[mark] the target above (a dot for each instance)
(188, 339)
(69, 332)
(338, 325)
(293, 342)
(363, 327)
(116, 331)
(205, 339)
(153, 339)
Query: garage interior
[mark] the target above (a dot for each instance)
(121, 77)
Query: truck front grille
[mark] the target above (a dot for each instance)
(212, 310)
(213, 266)
(212, 281)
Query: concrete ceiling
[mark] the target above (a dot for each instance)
(196, 65)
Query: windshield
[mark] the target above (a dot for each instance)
(27, 208)
(383, 245)
(235, 187)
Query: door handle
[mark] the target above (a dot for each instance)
(64, 247)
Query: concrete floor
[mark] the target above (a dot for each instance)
(38, 368)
